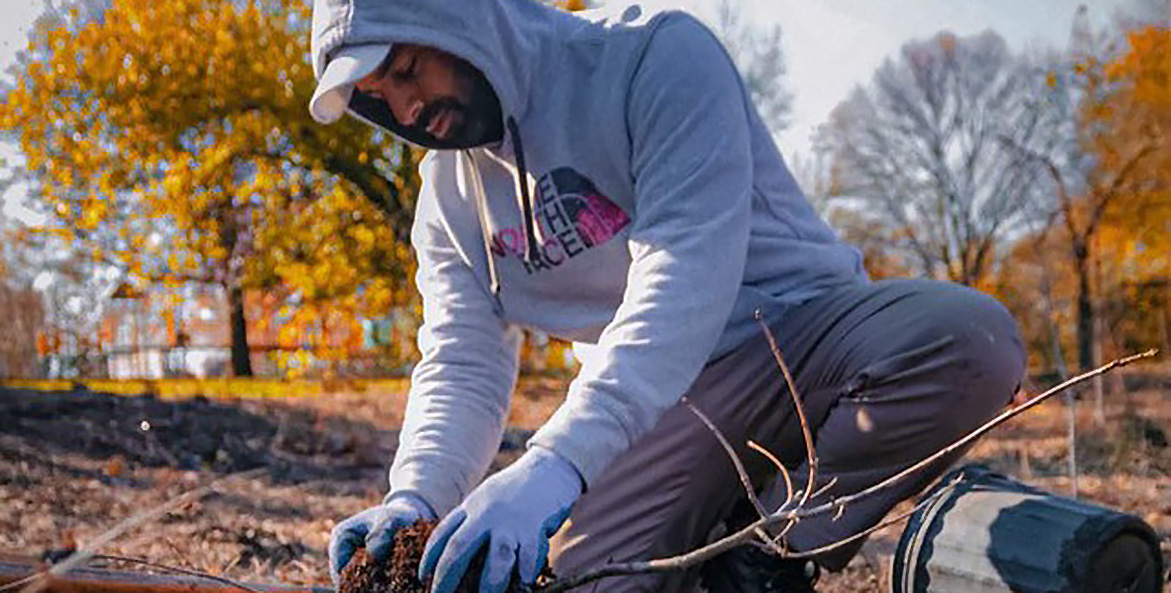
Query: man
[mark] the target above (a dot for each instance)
(610, 183)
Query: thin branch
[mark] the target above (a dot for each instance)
(21, 582)
(1065, 201)
(780, 468)
(799, 406)
(748, 533)
(175, 569)
(886, 523)
(740, 471)
(825, 488)
(793, 519)
(798, 403)
(793, 522)
(997, 421)
(85, 552)
(1109, 195)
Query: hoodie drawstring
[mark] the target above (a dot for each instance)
(480, 197)
(522, 179)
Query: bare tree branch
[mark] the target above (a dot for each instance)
(745, 481)
(176, 569)
(887, 523)
(780, 469)
(748, 534)
(918, 144)
(91, 547)
(799, 406)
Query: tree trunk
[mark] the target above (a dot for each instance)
(1062, 374)
(1164, 337)
(1096, 345)
(1085, 309)
(1087, 325)
(241, 358)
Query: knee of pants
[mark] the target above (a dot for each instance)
(989, 354)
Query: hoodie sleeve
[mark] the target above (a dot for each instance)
(688, 123)
(461, 387)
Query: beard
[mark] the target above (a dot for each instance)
(477, 117)
(477, 120)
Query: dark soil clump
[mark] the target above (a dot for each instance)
(399, 573)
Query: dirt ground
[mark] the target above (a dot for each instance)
(74, 464)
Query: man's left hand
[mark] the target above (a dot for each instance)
(513, 514)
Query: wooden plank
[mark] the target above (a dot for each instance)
(101, 580)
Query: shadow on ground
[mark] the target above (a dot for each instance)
(48, 428)
(298, 445)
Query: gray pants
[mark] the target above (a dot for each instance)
(890, 373)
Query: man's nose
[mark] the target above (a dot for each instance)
(409, 111)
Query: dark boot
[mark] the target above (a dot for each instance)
(748, 569)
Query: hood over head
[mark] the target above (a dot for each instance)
(503, 39)
(335, 86)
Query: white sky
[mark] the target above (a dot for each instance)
(18, 16)
(830, 45)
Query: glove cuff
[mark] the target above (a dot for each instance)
(413, 500)
(553, 462)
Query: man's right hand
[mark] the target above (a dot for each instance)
(374, 529)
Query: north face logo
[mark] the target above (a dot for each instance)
(574, 217)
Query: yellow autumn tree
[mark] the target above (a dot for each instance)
(171, 138)
(1113, 208)
(1136, 116)
(1133, 121)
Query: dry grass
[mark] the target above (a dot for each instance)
(86, 470)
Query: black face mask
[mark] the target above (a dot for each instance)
(481, 121)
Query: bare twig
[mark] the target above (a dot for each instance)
(780, 536)
(745, 480)
(21, 582)
(740, 471)
(825, 487)
(806, 431)
(749, 532)
(886, 523)
(798, 404)
(780, 468)
(1000, 419)
(87, 551)
(175, 569)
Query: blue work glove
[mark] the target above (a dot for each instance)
(374, 529)
(513, 513)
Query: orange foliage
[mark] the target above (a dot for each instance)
(171, 138)
(1137, 116)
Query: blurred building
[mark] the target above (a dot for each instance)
(184, 331)
(159, 332)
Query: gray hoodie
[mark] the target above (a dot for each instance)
(658, 217)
